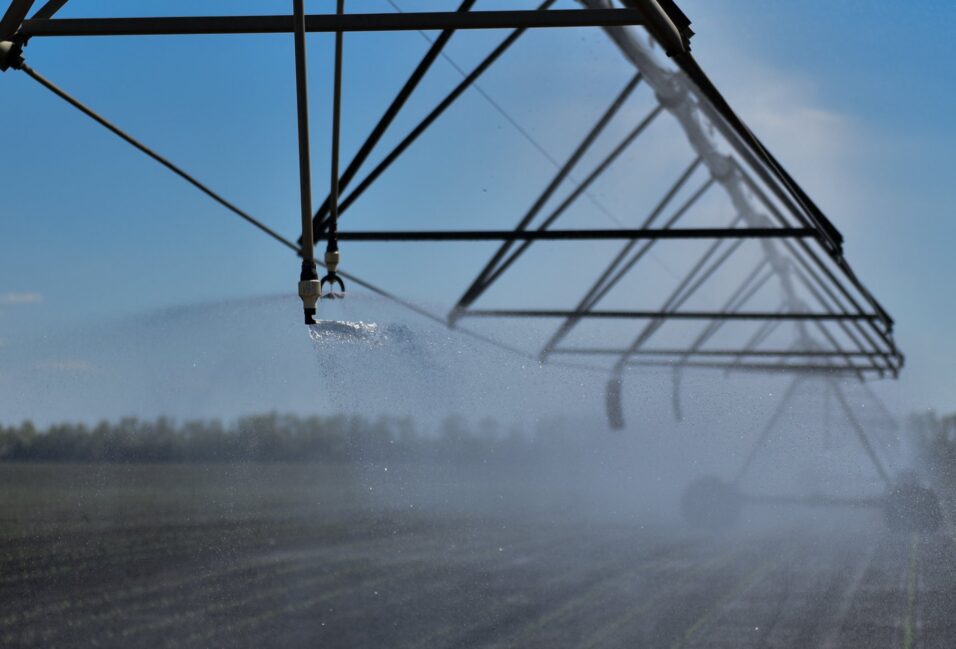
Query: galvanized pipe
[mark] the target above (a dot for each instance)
(308, 278)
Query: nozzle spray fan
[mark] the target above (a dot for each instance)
(332, 278)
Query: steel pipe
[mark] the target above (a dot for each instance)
(192, 25)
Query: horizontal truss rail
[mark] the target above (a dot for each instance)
(774, 368)
(574, 235)
(192, 25)
(664, 315)
(734, 353)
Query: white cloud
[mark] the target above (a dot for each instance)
(13, 299)
(788, 107)
(818, 145)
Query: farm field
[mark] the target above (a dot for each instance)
(309, 555)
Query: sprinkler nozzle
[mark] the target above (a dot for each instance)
(310, 290)
(332, 278)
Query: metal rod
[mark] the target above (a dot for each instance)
(885, 319)
(861, 434)
(606, 282)
(331, 278)
(767, 429)
(573, 235)
(578, 191)
(62, 94)
(888, 324)
(309, 287)
(683, 292)
(735, 302)
(766, 368)
(665, 315)
(389, 116)
(827, 436)
(661, 81)
(761, 334)
(186, 25)
(837, 346)
(425, 313)
(894, 425)
(13, 18)
(847, 329)
(747, 289)
(422, 126)
(274, 235)
(336, 127)
(795, 252)
(719, 353)
(480, 284)
(676, 216)
(751, 159)
(891, 356)
(813, 501)
(302, 108)
(829, 236)
(48, 10)
(521, 130)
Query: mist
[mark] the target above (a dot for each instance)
(371, 358)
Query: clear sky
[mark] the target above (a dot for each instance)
(856, 98)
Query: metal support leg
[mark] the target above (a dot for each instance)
(332, 278)
(13, 17)
(48, 10)
(309, 278)
(765, 433)
(860, 433)
(740, 297)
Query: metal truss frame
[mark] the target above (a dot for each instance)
(843, 331)
(834, 389)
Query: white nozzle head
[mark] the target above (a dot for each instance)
(310, 290)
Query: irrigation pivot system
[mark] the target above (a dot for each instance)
(799, 307)
(906, 505)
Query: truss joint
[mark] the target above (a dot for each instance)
(11, 55)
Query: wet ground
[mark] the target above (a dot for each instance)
(208, 567)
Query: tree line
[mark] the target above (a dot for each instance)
(275, 437)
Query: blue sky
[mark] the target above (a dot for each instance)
(856, 98)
